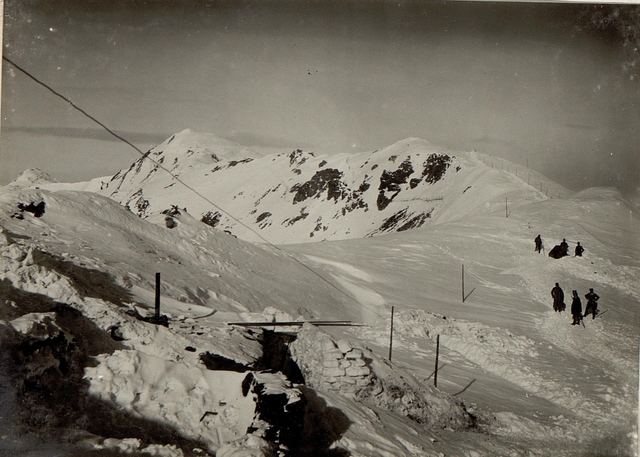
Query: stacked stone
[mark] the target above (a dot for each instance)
(344, 368)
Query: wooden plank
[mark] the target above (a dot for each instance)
(292, 323)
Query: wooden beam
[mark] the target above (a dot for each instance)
(294, 323)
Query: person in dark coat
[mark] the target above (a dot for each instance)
(538, 242)
(576, 308)
(592, 304)
(558, 299)
(579, 250)
(564, 248)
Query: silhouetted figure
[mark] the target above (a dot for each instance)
(538, 242)
(556, 252)
(564, 248)
(592, 303)
(576, 308)
(579, 250)
(558, 299)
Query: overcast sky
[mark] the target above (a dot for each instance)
(527, 82)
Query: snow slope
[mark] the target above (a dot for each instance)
(514, 377)
(504, 348)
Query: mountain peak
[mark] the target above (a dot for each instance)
(33, 176)
(190, 142)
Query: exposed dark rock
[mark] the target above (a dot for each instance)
(263, 216)
(36, 209)
(322, 164)
(328, 180)
(354, 204)
(233, 163)
(301, 216)
(297, 157)
(390, 183)
(414, 222)
(391, 222)
(140, 204)
(435, 167)
(211, 219)
(414, 182)
(402, 221)
(173, 211)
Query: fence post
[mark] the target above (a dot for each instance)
(391, 335)
(435, 376)
(463, 283)
(157, 295)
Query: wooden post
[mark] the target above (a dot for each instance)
(462, 283)
(435, 376)
(157, 295)
(391, 335)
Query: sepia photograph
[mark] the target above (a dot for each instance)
(289, 228)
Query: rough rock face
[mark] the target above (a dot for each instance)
(324, 180)
(390, 182)
(357, 372)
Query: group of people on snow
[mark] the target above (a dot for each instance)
(559, 250)
(576, 305)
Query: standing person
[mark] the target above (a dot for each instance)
(538, 242)
(564, 248)
(592, 304)
(576, 308)
(558, 299)
(579, 250)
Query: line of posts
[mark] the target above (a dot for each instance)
(435, 376)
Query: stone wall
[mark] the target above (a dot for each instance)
(357, 372)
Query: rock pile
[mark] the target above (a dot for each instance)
(345, 369)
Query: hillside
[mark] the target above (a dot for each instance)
(87, 372)
(298, 197)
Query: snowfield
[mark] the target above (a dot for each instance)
(87, 369)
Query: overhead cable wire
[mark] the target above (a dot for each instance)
(175, 177)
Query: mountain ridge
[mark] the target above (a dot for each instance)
(299, 197)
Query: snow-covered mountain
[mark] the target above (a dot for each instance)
(298, 197)
(86, 369)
